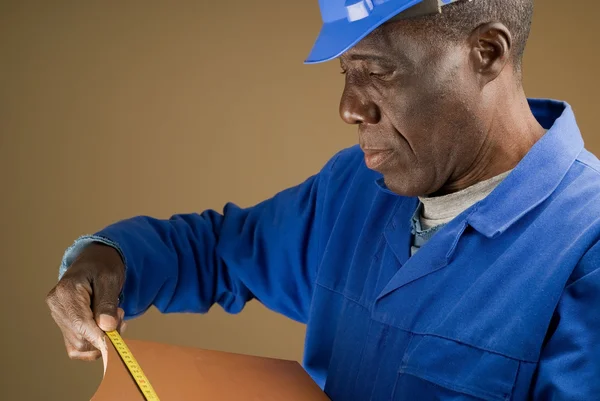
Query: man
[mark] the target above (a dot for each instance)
(453, 254)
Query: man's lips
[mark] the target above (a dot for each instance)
(376, 157)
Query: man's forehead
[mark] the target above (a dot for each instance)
(387, 42)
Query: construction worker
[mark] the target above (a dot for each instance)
(452, 254)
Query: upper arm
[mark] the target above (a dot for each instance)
(569, 366)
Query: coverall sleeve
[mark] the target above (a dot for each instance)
(189, 262)
(569, 367)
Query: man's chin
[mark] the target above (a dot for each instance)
(405, 186)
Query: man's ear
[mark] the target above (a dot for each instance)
(491, 46)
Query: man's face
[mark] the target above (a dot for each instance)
(418, 105)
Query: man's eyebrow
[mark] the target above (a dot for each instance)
(368, 57)
(381, 59)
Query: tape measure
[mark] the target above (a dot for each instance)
(134, 367)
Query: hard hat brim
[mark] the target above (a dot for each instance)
(336, 37)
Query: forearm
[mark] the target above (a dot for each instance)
(171, 264)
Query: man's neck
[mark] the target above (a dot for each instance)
(510, 135)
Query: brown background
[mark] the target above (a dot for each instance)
(111, 109)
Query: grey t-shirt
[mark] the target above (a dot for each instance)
(435, 212)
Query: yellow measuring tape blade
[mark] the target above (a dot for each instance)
(134, 367)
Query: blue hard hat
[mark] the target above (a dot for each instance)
(346, 22)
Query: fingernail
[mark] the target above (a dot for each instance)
(107, 322)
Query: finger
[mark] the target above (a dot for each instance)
(105, 302)
(122, 324)
(91, 333)
(69, 306)
(78, 343)
(87, 353)
(80, 321)
(88, 356)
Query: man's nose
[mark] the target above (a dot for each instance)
(356, 109)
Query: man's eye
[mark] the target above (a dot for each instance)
(343, 72)
(381, 75)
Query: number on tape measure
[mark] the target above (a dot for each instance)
(134, 368)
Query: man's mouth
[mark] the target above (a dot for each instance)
(374, 158)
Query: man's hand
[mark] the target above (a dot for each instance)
(84, 303)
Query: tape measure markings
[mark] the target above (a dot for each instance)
(133, 366)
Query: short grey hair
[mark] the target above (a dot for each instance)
(459, 19)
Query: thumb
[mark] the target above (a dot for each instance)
(105, 299)
(107, 322)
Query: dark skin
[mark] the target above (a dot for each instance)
(84, 303)
(436, 117)
(433, 117)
